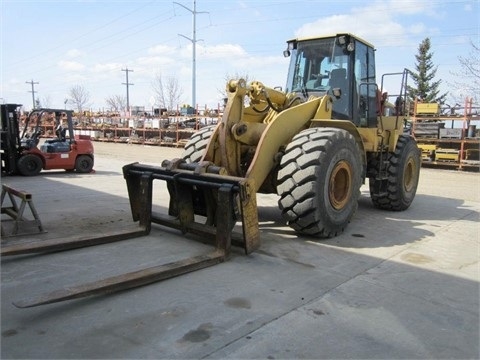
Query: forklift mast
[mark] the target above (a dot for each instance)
(10, 137)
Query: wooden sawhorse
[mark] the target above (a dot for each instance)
(17, 212)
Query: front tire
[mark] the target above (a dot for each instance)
(29, 165)
(319, 181)
(398, 190)
(83, 164)
(197, 144)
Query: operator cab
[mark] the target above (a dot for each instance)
(59, 144)
(342, 66)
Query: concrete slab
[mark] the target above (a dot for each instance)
(361, 320)
(394, 285)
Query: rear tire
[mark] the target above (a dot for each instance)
(197, 144)
(83, 164)
(29, 165)
(403, 173)
(319, 181)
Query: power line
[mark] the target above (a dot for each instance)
(32, 83)
(68, 42)
(127, 84)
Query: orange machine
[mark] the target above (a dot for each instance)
(21, 153)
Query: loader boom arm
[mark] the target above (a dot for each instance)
(248, 141)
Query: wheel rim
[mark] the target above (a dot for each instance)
(31, 165)
(409, 175)
(340, 185)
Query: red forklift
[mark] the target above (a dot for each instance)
(20, 150)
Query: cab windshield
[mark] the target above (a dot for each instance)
(312, 63)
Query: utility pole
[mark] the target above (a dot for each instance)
(127, 70)
(194, 47)
(33, 83)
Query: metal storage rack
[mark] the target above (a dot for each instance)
(447, 147)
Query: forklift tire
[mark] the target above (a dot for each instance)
(319, 181)
(403, 172)
(83, 164)
(197, 144)
(29, 165)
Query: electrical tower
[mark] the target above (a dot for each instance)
(127, 70)
(194, 47)
(32, 83)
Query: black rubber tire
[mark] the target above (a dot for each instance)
(197, 144)
(403, 173)
(319, 181)
(83, 164)
(29, 165)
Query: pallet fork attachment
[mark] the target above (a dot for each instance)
(228, 198)
(61, 244)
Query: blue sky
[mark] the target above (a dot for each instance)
(62, 43)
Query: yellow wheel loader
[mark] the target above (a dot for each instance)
(313, 144)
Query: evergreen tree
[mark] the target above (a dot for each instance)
(426, 90)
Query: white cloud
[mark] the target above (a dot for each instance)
(418, 28)
(386, 24)
(460, 39)
(107, 67)
(242, 5)
(253, 10)
(74, 53)
(260, 63)
(361, 24)
(70, 65)
(159, 49)
(186, 71)
(221, 51)
(396, 7)
(14, 86)
(233, 46)
(74, 79)
(380, 23)
(155, 60)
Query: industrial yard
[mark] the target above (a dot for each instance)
(393, 285)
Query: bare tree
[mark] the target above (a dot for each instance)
(117, 103)
(228, 77)
(158, 89)
(469, 75)
(167, 93)
(79, 96)
(46, 101)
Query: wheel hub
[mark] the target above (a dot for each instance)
(409, 177)
(340, 185)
